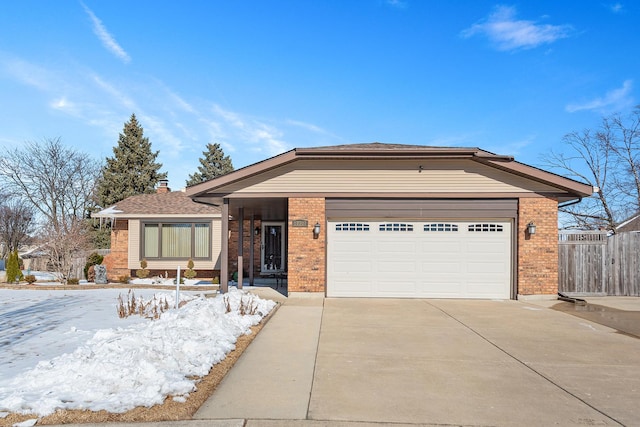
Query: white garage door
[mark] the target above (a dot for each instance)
(419, 259)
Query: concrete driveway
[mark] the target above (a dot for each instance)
(430, 362)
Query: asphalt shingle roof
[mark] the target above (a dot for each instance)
(171, 203)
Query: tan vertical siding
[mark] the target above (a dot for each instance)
(216, 243)
(134, 244)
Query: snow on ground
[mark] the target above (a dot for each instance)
(70, 350)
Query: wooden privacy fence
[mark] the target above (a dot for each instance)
(590, 262)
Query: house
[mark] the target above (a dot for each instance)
(630, 224)
(167, 229)
(386, 220)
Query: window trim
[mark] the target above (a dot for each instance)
(159, 223)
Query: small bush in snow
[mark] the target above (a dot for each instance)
(30, 279)
(124, 279)
(73, 281)
(142, 273)
(189, 273)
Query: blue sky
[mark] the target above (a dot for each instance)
(262, 77)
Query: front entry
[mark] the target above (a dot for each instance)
(272, 249)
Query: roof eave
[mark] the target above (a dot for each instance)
(577, 189)
(240, 174)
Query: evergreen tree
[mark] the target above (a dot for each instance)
(212, 165)
(13, 268)
(132, 169)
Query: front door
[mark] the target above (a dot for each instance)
(272, 252)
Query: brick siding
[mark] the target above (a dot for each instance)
(538, 254)
(306, 255)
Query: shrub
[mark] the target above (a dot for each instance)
(123, 279)
(216, 280)
(30, 279)
(143, 273)
(189, 272)
(73, 281)
(14, 274)
(93, 259)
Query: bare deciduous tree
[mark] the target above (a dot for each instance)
(64, 244)
(609, 159)
(623, 136)
(58, 181)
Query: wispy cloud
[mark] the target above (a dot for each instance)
(614, 99)
(616, 8)
(509, 33)
(29, 74)
(264, 138)
(308, 126)
(513, 148)
(118, 95)
(179, 127)
(399, 4)
(108, 41)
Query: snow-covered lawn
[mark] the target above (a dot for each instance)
(69, 349)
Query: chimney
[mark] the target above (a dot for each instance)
(163, 186)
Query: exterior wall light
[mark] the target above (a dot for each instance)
(531, 228)
(316, 230)
(256, 231)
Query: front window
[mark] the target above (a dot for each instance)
(176, 240)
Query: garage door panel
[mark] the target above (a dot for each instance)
(441, 289)
(434, 266)
(402, 288)
(396, 250)
(439, 246)
(486, 268)
(428, 259)
(396, 267)
(353, 288)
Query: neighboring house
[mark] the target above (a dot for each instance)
(629, 224)
(385, 220)
(167, 229)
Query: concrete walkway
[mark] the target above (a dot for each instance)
(273, 377)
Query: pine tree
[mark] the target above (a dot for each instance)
(13, 268)
(212, 165)
(132, 169)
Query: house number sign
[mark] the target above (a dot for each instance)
(299, 223)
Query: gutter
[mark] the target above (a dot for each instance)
(570, 203)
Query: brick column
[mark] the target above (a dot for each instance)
(538, 253)
(117, 261)
(306, 256)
